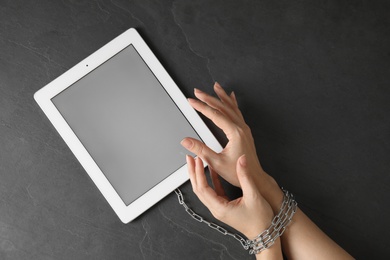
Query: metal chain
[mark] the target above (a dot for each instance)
(265, 239)
(212, 225)
(278, 225)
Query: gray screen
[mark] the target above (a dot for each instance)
(127, 122)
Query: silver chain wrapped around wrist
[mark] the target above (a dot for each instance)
(265, 239)
(211, 225)
(278, 225)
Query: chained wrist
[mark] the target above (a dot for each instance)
(278, 225)
(265, 239)
(271, 191)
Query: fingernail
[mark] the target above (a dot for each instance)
(197, 90)
(187, 143)
(216, 84)
(243, 160)
(191, 100)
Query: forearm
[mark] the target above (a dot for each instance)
(302, 238)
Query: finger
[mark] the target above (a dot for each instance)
(208, 99)
(191, 169)
(221, 93)
(217, 183)
(217, 104)
(200, 176)
(249, 190)
(233, 97)
(231, 100)
(200, 149)
(214, 115)
(236, 109)
(205, 193)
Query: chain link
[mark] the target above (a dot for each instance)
(265, 239)
(278, 225)
(211, 225)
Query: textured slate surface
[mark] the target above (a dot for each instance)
(312, 79)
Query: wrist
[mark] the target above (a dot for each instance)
(272, 253)
(270, 190)
(271, 236)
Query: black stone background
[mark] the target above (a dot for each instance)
(312, 79)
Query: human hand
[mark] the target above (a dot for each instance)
(250, 214)
(225, 114)
(262, 197)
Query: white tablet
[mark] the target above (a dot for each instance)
(123, 117)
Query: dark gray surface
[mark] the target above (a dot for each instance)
(312, 80)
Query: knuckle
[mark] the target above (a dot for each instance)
(195, 190)
(243, 131)
(201, 190)
(248, 131)
(215, 113)
(199, 149)
(246, 128)
(239, 131)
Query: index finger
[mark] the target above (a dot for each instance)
(205, 193)
(218, 104)
(217, 183)
(214, 115)
(221, 93)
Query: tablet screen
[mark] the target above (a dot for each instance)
(127, 122)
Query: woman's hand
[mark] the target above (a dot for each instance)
(252, 213)
(225, 114)
(249, 214)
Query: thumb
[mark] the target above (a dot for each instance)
(247, 184)
(200, 149)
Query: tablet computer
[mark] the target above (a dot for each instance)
(123, 117)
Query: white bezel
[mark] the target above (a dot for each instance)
(44, 98)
